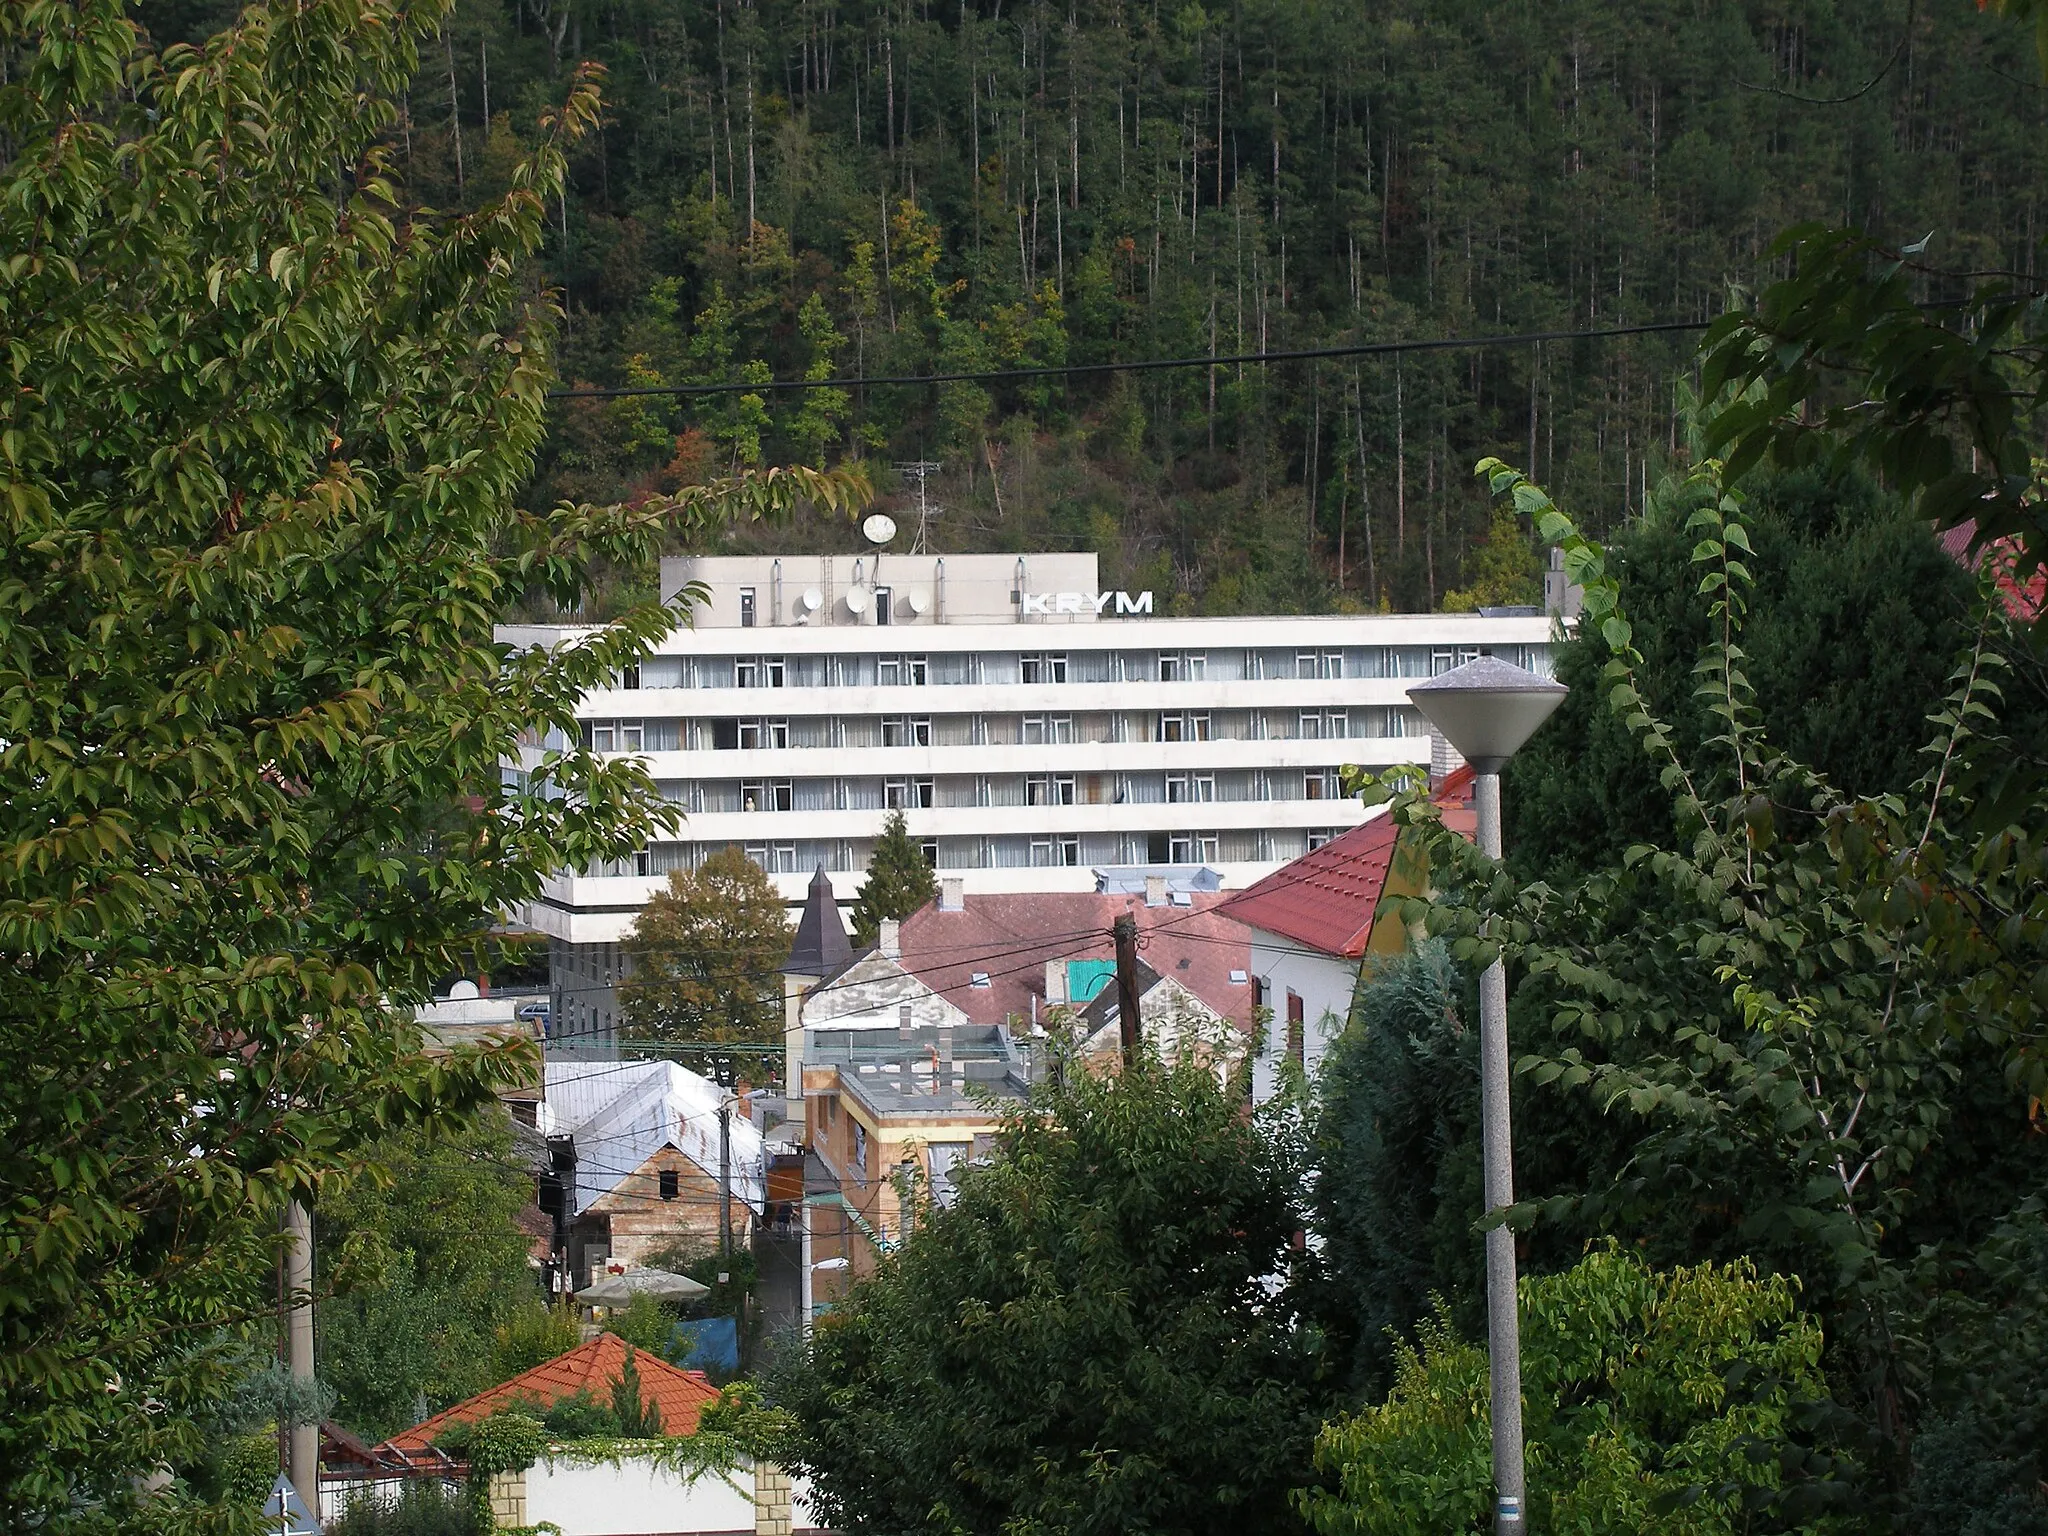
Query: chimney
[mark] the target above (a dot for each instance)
(1155, 890)
(890, 939)
(952, 894)
(903, 1025)
(1055, 983)
(1444, 759)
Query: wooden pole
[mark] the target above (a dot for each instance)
(1125, 932)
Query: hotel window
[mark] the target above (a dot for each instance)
(1325, 664)
(782, 859)
(1190, 787)
(1043, 669)
(1191, 726)
(901, 671)
(930, 849)
(1183, 666)
(746, 607)
(1046, 789)
(761, 672)
(1441, 662)
(755, 735)
(768, 795)
(1320, 784)
(1191, 848)
(901, 731)
(1318, 836)
(630, 678)
(907, 794)
(1048, 730)
(885, 605)
(1055, 852)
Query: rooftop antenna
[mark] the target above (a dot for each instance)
(921, 470)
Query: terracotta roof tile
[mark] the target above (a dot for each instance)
(1328, 899)
(593, 1367)
(1010, 937)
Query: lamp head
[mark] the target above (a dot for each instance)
(1487, 708)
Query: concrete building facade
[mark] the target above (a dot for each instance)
(1030, 726)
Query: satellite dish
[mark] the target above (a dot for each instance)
(462, 992)
(918, 602)
(859, 599)
(811, 600)
(880, 528)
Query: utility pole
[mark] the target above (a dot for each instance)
(302, 1463)
(1125, 932)
(725, 1180)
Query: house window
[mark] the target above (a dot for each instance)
(1297, 1032)
(671, 1184)
(903, 731)
(1043, 669)
(746, 607)
(860, 1154)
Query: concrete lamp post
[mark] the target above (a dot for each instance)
(1487, 709)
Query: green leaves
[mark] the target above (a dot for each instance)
(267, 770)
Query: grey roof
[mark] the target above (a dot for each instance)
(821, 945)
(1105, 1005)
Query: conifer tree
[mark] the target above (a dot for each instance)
(899, 881)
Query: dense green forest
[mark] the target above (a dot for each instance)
(869, 188)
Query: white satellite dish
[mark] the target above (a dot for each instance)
(918, 602)
(859, 599)
(811, 600)
(879, 528)
(463, 992)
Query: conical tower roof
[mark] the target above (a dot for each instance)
(821, 945)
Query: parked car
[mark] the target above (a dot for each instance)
(536, 1013)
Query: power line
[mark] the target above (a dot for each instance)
(1148, 365)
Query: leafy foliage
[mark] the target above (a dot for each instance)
(424, 1507)
(1100, 1334)
(999, 186)
(1857, 616)
(1670, 1401)
(705, 957)
(431, 1269)
(638, 1417)
(1794, 1059)
(1398, 1172)
(898, 882)
(258, 459)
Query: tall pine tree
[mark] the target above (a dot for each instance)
(899, 881)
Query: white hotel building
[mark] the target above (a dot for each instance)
(1032, 729)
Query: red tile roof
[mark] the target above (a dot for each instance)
(592, 1368)
(2023, 598)
(1010, 937)
(1329, 898)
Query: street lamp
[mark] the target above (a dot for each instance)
(1487, 709)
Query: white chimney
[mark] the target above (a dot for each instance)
(952, 894)
(1444, 759)
(890, 939)
(1055, 983)
(1155, 890)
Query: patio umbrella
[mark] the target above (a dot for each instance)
(618, 1290)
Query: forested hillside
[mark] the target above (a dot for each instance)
(887, 187)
